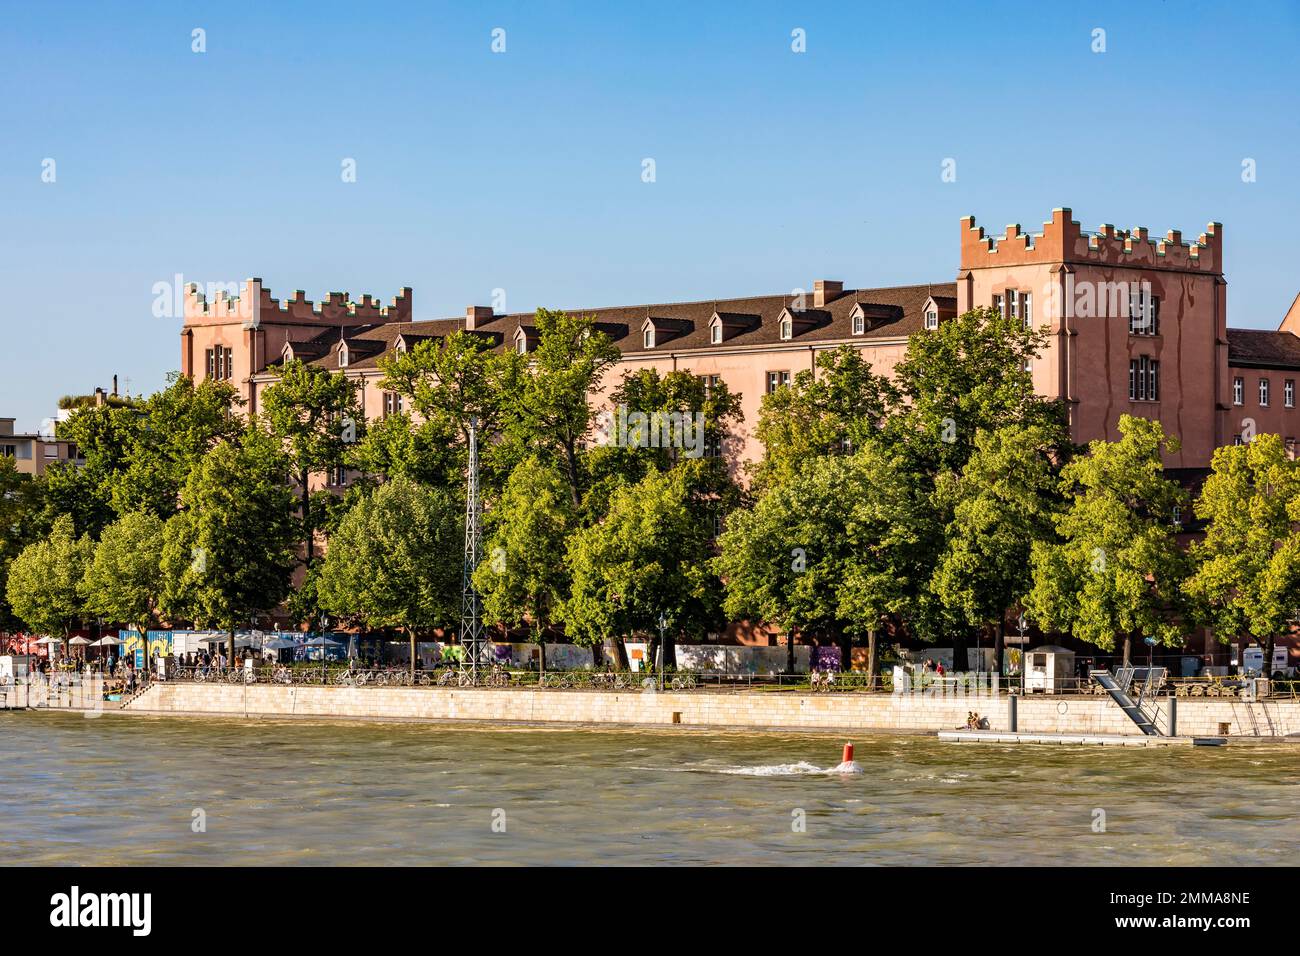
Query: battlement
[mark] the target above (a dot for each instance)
(1062, 240)
(255, 304)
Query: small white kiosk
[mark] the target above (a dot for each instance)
(1048, 669)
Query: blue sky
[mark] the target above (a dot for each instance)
(522, 170)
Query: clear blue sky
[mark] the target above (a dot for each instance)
(522, 170)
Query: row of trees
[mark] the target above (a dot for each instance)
(933, 504)
(963, 504)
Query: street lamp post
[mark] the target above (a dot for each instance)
(663, 624)
(324, 625)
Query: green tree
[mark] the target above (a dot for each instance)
(228, 553)
(123, 579)
(555, 416)
(21, 523)
(968, 375)
(834, 411)
(648, 556)
(451, 380)
(316, 416)
(176, 428)
(1247, 567)
(837, 546)
(1115, 567)
(1004, 499)
(524, 578)
(104, 436)
(395, 560)
(42, 587)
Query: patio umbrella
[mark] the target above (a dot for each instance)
(277, 644)
(78, 641)
(321, 641)
(109, 641)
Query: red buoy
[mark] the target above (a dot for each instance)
(848, 753)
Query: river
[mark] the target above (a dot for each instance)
(138, 790)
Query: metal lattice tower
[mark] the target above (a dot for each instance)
(471, 621)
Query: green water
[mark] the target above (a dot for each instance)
(124, 790)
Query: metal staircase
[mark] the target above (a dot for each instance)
(1144, 711)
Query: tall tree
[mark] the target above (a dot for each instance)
(555, 416)
(21, 523)
(43, 584)
(839, 408)
(647, 557)
(524, 578)
(176, 428)
(317, 416)
(969, 374)
(1004, 499)
(103, 435)
(228, 553)
(123, 579)
(394, 560)
(1247, 567)
(1116, 568)
(451, 380)
(836, 547)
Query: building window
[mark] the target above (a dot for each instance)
(776, 379)
(1236, 440)
(648, 337)
(392, 404)
(1144, 379)
(338, 477)
(715, 333)
(230, 363)
(1027, 308)
(1290, 446)
(210, 357)
(710, 382)
(1143, 312)
(8, 451)
(997, 304)
(712, 445)
(787, 330)
(1288, 393)
(1238, 391)
(1013, 303)
(932, 320)
(1263, 393)
(1178, 516)
(343, 356)
(859, 324)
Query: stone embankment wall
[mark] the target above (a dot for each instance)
(754, 709)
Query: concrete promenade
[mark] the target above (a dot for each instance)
(706, 709)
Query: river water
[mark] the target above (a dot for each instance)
(136, 790)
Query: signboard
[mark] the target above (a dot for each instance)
(139, 658)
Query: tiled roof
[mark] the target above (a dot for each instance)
(1257, 348)
(896, 313)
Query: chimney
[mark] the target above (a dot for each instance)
(115, 386)
(100, 400)
(824, 290)
(475, 314)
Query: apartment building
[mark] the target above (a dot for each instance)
(33, 452)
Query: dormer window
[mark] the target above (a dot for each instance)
(859, 323)
(521, 342)
(343, 355)
(787, 330)
(715, 333)
(931, 319)
(648, 337)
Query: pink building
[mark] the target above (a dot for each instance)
(1135, 325)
